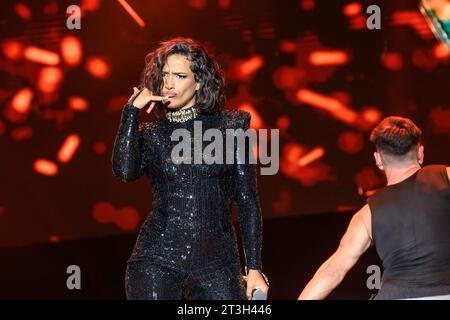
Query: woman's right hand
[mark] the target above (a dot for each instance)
(141, 98)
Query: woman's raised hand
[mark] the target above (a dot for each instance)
(141, 98)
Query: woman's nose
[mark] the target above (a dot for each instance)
(169, 82)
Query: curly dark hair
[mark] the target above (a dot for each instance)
(210, 96)
(396, 135)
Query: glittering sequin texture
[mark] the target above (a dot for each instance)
(189, 237)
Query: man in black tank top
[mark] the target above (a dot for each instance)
(408, 221)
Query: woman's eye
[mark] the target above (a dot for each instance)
(181, 76)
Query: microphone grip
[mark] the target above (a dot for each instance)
(258, 294)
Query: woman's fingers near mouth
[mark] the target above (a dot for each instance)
(166, 99)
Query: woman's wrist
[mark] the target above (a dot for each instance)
(133, 97)
(266, 280)
(130, 106)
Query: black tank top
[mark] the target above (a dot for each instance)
(411, 232)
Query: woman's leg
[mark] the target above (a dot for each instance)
(221, 283)
(146, 280)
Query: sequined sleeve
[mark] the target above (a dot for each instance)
(248, 206)
(130, 154)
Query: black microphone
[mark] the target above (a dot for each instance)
(258, 294)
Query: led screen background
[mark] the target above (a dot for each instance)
(310, 68)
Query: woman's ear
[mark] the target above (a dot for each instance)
(197, 87)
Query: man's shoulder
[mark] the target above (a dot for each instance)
(435, 171)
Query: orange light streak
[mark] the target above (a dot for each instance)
(132, 13)
(45, 167)
(71, 50)
(21, 102)
(250, 66)
(320, 58)
(68, 148)
(338, 110)
(313, 155)
(40, 55)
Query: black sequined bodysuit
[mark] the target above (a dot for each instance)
(188, 240)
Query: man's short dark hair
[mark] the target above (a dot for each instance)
(396, 135)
